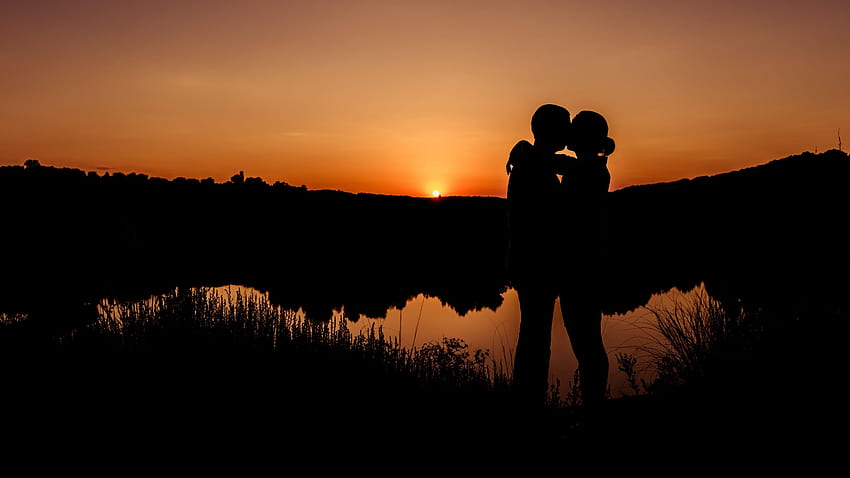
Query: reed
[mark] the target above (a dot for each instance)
(698, 340)
(236, 322)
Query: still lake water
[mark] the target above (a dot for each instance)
(425, 319)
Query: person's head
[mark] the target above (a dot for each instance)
(590, 135)
(550, 125)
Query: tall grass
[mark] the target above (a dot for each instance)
(226, 367)
(697, 339)
(232, 320)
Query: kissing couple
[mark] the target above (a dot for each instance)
(556, 222)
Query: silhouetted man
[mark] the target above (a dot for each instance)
(533, 191)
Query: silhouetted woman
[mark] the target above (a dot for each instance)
(584, 190)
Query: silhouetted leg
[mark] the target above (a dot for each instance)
(583, 320)
(531, 359)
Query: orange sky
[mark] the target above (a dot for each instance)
(397, 97)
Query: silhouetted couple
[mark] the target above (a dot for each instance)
(556, 247)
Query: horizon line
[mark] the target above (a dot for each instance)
(108, 171)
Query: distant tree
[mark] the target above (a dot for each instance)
(255, 182)
(32, 163)
(238, 178)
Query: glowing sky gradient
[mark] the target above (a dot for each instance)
(397, 97)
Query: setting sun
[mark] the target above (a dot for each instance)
(435, 193)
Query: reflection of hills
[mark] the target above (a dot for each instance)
(769, 231)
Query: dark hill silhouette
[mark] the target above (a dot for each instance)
(771, 233)
(776, 229)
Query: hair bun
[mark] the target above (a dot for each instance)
(608, 146)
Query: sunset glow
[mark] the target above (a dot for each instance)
(382, 96)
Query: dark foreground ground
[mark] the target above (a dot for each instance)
(220, 414)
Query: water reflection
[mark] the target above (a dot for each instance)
(426, 319)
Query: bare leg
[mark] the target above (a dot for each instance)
(583, 320)
(531, 360)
